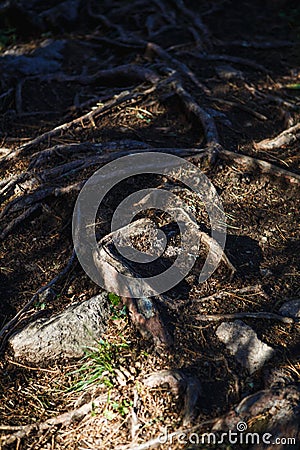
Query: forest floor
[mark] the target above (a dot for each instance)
(241, 65)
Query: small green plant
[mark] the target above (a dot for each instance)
(117, 311)
(292, 17)
(295, 86)
(122, 408)
(99, 366)
(40, 305)
(114, 299)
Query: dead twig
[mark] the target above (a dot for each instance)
(259, 45)
(253, 290)
(6, 94)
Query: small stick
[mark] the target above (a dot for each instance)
(257, 289)
(7, 93)
(256, 44)
(242, 107)
(243, 315)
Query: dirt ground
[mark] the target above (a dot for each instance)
(250, 90)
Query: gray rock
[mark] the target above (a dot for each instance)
(44, 60)
(50, 49)
(244, 345)
(63, 336)
(27, 65)
(291, 309)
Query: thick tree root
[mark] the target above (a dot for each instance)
(130, 72)
(180, 384)
(143, 311)
(207, 122)
(287, 137)
(227, 58)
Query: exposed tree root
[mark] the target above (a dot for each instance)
(63, 151)
(242, 315)
(241, 107)
(143, 311)
(233, 59)
(199, 26)
(279, 407)
(18, 220)
(129, 72)
(287, 137)
(64, 419)
(84, 120)
(254, 164)
(148, 326)
(204, 117)
(39, 182)
(260, 45)
(215, 247)
(273, 99)
(180, 384)
(178, 65)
